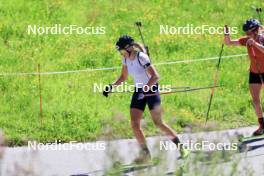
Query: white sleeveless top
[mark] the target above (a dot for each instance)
(137, 69)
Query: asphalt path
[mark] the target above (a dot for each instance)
(94, 158)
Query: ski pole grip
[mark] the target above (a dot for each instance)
(226, 30)
(138, 23)
(259, 9)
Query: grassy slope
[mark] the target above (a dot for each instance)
(71, 110)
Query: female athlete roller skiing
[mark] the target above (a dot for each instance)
(137, 64)
(254, 43)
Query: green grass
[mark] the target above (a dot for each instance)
(71, 110)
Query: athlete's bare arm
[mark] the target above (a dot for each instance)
(154, 76)
(228, 40)
(122, 77)
(256, 44)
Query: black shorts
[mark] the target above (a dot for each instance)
(140, 104)
(254, 78)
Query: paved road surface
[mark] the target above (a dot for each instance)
(99, 155)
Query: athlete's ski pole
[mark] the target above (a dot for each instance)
(258, 10)
(215, 83)
(181, 88)
(141, 96)
(139, 24)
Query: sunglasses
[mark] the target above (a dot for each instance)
(252, 31)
